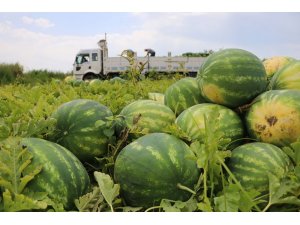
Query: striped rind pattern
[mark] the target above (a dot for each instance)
(183, 94)
(192, 122)
(287, 77)
(251, 163)
(232, 77)
(149, 115)
(274, 117)
(159, 97)
(149, 169)
(76, 129)
(63, 176)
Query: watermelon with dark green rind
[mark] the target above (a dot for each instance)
(192, 122)
(275, 63)
(150, 168)
(251, 163)
(287, 77)
(76, 83)
(81, 127)
(147, 116)
(232, 77)
(63, 177)
(183, 94)
(274, 117)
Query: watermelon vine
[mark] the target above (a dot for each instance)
(181, 154)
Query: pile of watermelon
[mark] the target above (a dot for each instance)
(258, 113)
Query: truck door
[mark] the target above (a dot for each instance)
(82, 63)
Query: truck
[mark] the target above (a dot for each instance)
(96, 64)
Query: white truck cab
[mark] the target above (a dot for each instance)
(95, 63)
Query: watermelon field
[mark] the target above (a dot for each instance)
(227, 140)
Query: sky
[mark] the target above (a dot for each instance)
(51, 40)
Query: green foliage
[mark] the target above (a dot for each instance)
(34, 77)
(14, 73)
(205, 53)
(102, 198)
(285, 191)
(15, 174)
(90, 202)
(232, 199)
(135, 68)
(107, 187)
(10, 72)
(25, 109)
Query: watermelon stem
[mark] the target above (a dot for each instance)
(154, 207)
(182, 187)
(237, 182)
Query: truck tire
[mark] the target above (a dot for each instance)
(90, 76)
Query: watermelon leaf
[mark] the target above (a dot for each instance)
(205, 205)
(179, 206)
(90, 202)
(14, 161)
(130, 209)
(100, 123)
(232, 199)
(285, 191)
(107, 187)
(4, 130)
(15, 174)
(20, 202)
(229, 200)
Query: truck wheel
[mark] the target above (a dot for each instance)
(90, 76)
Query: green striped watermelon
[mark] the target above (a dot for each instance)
(159, 97)
(287, 77)
(183, 94)
(150, 168)
(63, 177)
(192, 122)
(274, 117)
(76, 83)
(232, 77)
(147, 116)
(77, 129)
(275, 63)
(251, 163)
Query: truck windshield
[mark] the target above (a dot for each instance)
(82, 58)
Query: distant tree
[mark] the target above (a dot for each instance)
(205, 53)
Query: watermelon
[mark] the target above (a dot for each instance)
(76, 83)
(69, 78)
(147, 116)
(150, 168)
(251, 163)
(63, 177)
(274, 117)
(275, 63)
(192, 122)
(159, 97)
(117, 80)
(95, 82)
(82, 128)
(183, 94)
(232, 77)
(288, 77)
